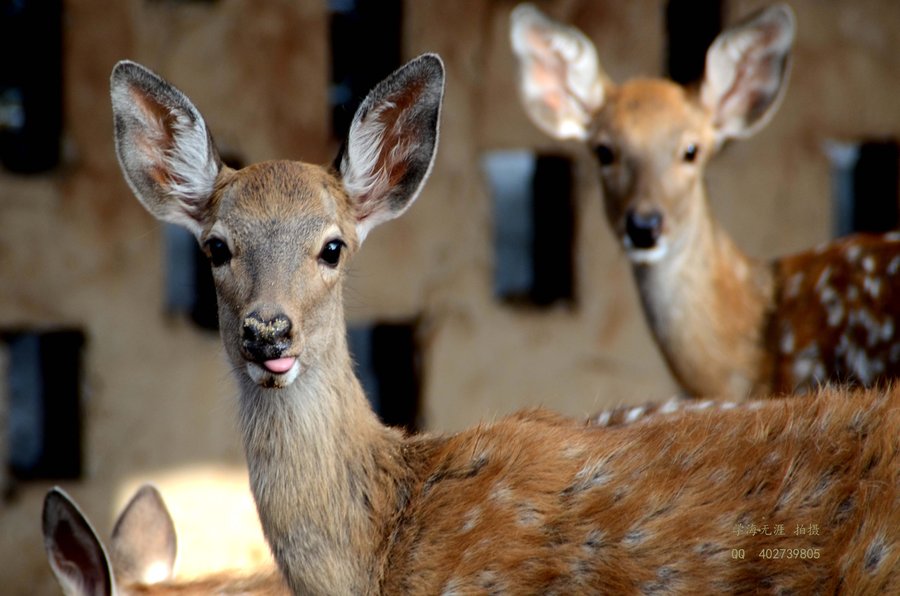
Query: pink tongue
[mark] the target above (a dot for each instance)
(281, 365)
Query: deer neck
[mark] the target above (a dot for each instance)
(707, 304)
(324, 472)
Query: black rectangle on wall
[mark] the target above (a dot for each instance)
(31, 104)
(45, 418)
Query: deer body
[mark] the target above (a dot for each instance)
(531, 503)
(727, 324)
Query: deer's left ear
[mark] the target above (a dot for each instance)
(74, 550)
(165, 150)
(560, 79)
(746, 74)
(392, 142)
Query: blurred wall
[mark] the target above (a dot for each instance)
(76, 249)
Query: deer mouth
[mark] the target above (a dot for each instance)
(274, 373)
(645, 255)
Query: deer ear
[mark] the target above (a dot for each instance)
(392, 142)
(746, 72)
(560, 79)
(165, 150)
(75, 553)
(144, 544)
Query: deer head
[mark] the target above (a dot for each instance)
(652, 138)
(278, 233)
(143, 544)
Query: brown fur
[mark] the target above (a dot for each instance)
(224, 584)
(727, 324)
(533, 503)
(836, 310)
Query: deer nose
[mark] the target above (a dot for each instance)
(643, 229)
(266, 338)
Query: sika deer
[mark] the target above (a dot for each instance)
(532, 503)
(727, 325)
(142, 557)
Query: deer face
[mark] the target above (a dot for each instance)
(651, 138)
(650, 142)
(278, 234)
(277, 239)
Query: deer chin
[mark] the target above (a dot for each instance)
(277, 373)
(645, 256)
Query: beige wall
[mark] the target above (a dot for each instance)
(77, 249)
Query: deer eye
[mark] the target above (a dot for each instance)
(605, 154)
(690, 153)
(217, 251)
(331, 253)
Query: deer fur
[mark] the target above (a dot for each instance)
(533, 503)
(727, 324)
(141, 556)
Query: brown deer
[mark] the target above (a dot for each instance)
(141, 559)
(533, 503)
(727, 324)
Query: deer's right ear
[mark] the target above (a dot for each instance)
(392, 142)
(163, 146)
(144, 544)
(560, 79)
(75, 553)
(747, 68)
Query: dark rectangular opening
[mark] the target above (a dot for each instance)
(865, 185)
(875, 187)
(190, 289)
(388, 364)
(366, 46)
(31, 105)
(44, 423)
(554, 230)
(533, 227)
(691, 27)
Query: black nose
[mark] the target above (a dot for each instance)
(643, 229)
(266, 338)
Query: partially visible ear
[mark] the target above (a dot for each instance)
(392, 142)
(165, 150)
(560, 79)
(144, 544)
(75, 553)
(746, 74)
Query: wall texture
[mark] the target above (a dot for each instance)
(76, 249)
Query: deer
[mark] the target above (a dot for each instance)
(141, 556)
(530, 503)
(727, 324)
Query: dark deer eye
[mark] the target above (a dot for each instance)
(605, 155)
(331, 253)
(690, 152)
(218, 252)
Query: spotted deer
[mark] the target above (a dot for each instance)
(727, 324)
(141, 557)
(532, 503)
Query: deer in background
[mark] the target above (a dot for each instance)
(727, 324)
(533, 503)
(141, 559)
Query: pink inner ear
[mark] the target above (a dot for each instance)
(396, 145)
(536, 40)
(159, 138)
(549, 83)
(74, 556)
(156, 116)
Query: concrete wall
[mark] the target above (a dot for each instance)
(76, 249)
